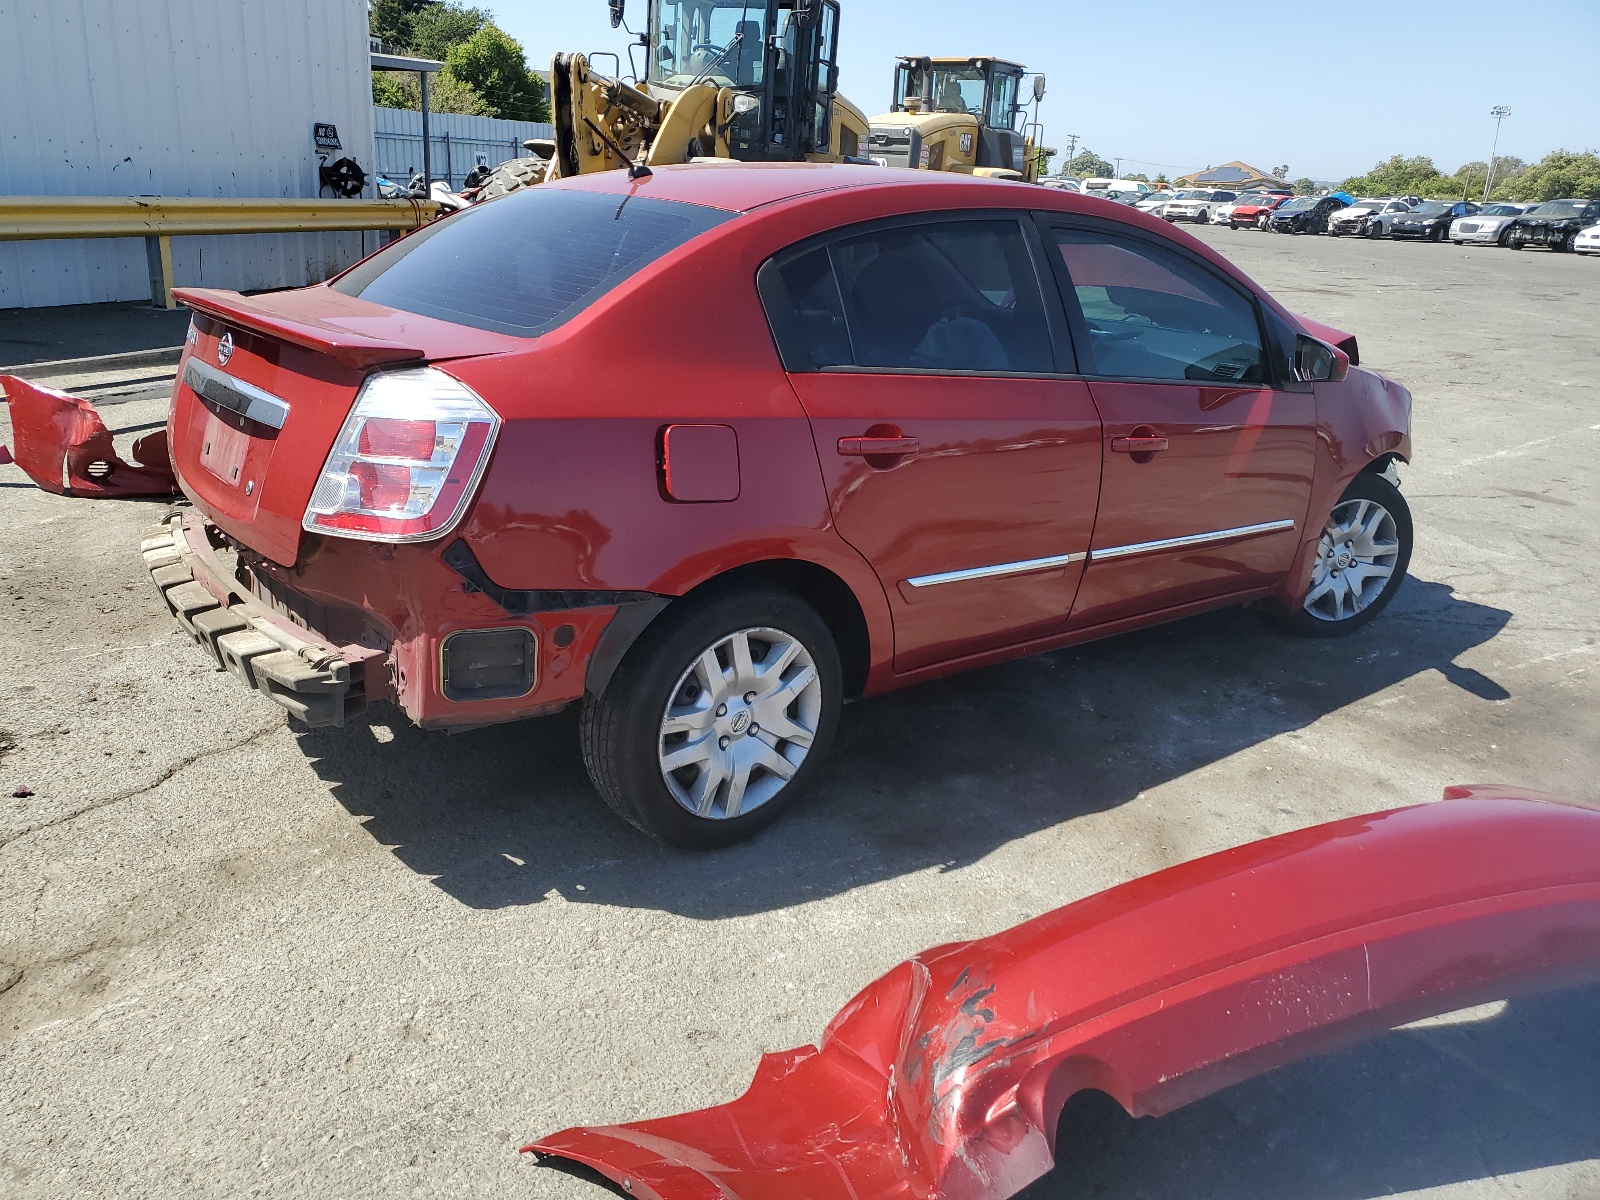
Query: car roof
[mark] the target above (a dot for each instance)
(740, 187)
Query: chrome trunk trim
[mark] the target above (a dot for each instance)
(235, 395)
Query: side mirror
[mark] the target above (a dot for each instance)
(1318, 362)
(1038, 87)
(616, 11)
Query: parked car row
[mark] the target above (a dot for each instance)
(1572, 224)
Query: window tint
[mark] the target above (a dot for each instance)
(946, 296)
(527, 262)
(1153, 314)
(956, 296)
(813, 300)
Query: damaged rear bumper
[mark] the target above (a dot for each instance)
(946, 1078)
(313, 680)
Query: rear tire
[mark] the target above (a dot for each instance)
(1367, 533)
(687, 692)
(1374, 230)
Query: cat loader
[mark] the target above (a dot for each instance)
(755, 80)
(960, 114)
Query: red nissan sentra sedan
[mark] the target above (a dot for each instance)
(714, 450)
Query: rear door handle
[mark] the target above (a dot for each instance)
(1138, 445)
(864, 447)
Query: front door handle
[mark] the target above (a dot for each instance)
(872, 447)
(1138, 445)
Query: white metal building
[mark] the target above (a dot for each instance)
(177, 98)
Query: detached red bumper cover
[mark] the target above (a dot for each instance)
(64, 447)
(946, 1077)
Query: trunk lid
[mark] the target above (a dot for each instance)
(265, 384)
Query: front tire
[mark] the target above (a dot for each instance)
(1360, 561)
(717, 719)
(1516, 239)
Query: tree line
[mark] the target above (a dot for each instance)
(1559, 174)
(485, 70)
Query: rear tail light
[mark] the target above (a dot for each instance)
(407, 460)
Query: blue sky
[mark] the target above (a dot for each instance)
(1327, 87)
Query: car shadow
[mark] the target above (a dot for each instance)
(938, 775)
(1420, 1108)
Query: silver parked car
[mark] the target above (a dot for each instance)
(1368, 218)
(1490, 224)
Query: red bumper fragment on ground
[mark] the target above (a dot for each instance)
(946, 1077)
(64, 447)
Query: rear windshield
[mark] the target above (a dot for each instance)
(527, 262)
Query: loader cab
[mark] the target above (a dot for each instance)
(954, 114)
(777, 57)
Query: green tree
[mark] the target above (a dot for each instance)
(446, 94)
(1559, 174)
(492, 63)
(1086, 164)
(392, 20)
(439, 27)
(1305, 187)
(1160, 178)
(1402, 176)
(1141, 178)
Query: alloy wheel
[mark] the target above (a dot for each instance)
(739, 722)
(1355, 559)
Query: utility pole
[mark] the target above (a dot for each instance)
(1072, 147)
(1499, 112)
(1119, 168)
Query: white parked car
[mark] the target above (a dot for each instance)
(1062, 183)
(1155, 203)
(1196, 204)
(1489, 224)
(1367, 218)
(1223, 214)
(1587, 241)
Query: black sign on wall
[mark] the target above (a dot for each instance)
(327, 136)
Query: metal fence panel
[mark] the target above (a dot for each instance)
(460, 143)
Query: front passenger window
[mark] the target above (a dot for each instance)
(1153, 314)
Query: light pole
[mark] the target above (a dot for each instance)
(1499, 112)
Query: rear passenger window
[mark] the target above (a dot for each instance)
(1153, 314)
(949, 296)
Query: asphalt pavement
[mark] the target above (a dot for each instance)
(238, 960)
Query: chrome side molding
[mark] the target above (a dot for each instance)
(1060, 560)
(1010, 568)
(1193, 539)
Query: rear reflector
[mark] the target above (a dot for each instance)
(487, 664)
(407, 460)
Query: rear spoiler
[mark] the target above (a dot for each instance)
(946, 1078)
(318, 323)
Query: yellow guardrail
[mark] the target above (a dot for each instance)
(159, 218)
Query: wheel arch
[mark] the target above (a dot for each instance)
(825, 591)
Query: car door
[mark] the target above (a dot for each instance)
(959, 461)
(1208, 464)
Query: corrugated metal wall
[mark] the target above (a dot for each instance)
(457, 139)
(176, 98)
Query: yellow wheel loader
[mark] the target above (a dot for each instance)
(960, 114)
(755, 80)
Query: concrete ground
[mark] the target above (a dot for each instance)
(372, 962)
